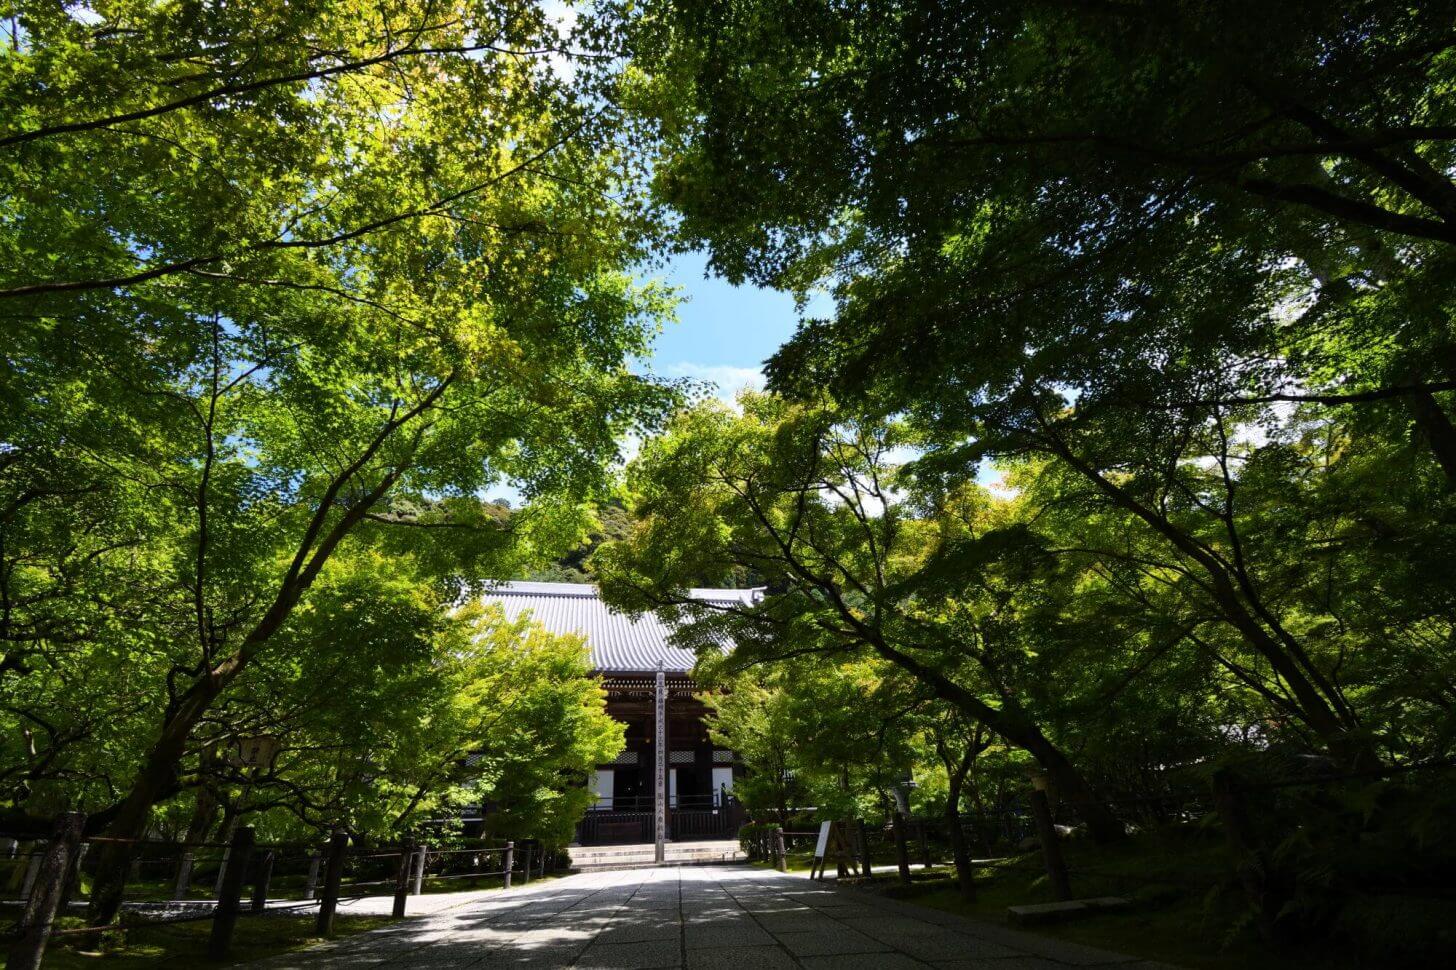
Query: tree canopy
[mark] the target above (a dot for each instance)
(1132, 417)
(288, 287)
(1126, 451)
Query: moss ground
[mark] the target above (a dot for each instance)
(1184, 911)
(185, 944)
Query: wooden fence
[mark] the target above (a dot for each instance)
(45, 877)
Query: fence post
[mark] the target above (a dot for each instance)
(1051, 849)
(781, 860)
(420, 869)
(402, 879)
(526, 866)
(510, 858)
(864, 847)
(40, 905)
(902, 850)
(226, 836)
(184, 876)
(1243, 840)
(73, 877)
(338, 845)
(260, 883)
(32, 868)
(311, 885)
(225, 914)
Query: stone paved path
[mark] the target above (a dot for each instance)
(728, 917)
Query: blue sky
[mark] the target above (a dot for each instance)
(724, 333)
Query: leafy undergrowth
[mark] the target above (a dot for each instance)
(185, 944)
(1186, 910)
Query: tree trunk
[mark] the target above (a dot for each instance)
(960, 851)
(1102, 825)
(158, 776)
(902, 849)
(1012, 724)
(203, 813)
(1434, 426)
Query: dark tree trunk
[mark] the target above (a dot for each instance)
(1013, 725)
(1436, 428)
(1102, 825)
(902, 848)
(203, 814)
(960, 851)
(157, 778)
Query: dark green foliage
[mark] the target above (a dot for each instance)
(1179, 278)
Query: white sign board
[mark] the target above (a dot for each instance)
(822, 845)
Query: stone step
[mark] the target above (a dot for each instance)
(649, 864)
(600, 857)
(638, 856)
(717, 845)
(1037, 913)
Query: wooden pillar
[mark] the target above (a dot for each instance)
(40, 905)
(402, 879)
(902, 850)
(311, 885)
(261, 881)
(229, 827)
(509, 863)
(32, 868)
(424, 851)
(229, 898)
(864, 847)
(659, 779)
(703, 768)
(184, 876)
(1254, 868)
(333, 876)
(1051, 849)
(73, 877)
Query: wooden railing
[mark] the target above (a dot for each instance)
(632, 820)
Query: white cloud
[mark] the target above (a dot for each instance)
(727, 379)
(563, 17)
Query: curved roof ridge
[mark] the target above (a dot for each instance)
(618, 643)
(509, 587)
(506, 587)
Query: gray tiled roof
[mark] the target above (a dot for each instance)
(618, 643)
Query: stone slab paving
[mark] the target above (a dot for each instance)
(709, 918)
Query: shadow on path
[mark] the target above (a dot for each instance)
(730, 917)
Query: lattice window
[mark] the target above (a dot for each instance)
(681, 758)
(626, 758)
(722, 757)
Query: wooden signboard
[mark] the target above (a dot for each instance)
(832, 839)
